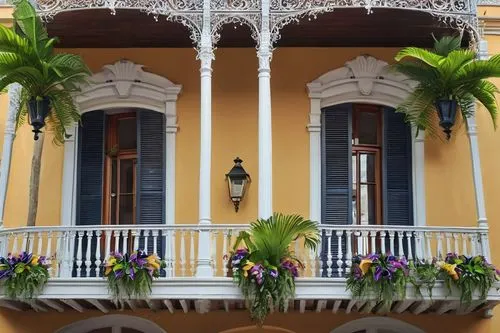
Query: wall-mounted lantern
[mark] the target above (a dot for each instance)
(237, 180)
(38, 110)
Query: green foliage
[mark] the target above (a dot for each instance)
(378, 277)
(446, 72)
(266, 269)
(124, 287)
(27, 284)
(424, 275)
(27, 57)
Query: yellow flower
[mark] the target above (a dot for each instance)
(34, 260)
(365, 265)
(451, 270)
(153, 261)
(247, 267)
(109, 265)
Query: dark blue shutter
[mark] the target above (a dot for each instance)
(90, 178)
(90, 168)
(398, 207)
(397, 178)
(336, 174)
(151, 171)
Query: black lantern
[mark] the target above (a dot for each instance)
(38, 110)
(237, 180)
(447, 112)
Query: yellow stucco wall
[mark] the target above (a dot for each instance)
(449, 187)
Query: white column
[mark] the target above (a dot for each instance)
(477, 177)
(9, 135)
(170, 134)
(264, 54)
(314, 129)
(204, 268)
(419, 179)
(69, 181)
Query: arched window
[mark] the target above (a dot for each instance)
(377, 325)
(112, 324)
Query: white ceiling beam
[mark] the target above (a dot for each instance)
(73, 304)
(99, 305)
(52, 304)
(336, 306)
(169, 305)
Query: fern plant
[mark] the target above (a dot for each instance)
(447, 78)
(266, 268)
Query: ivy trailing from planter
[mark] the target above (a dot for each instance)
(469, 275)
(266, 268)
(24, 276)
(379, 277)
(131, 276)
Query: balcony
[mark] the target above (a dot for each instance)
(77, 281)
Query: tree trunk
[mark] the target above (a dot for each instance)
(36, 163)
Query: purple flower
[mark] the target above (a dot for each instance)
(273, 273)
(25, 257)
(358, 273)
(131, 273)
(6, 273)
(378, 273)
(118, 274)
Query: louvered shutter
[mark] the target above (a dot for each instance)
(90, 177)
(397, 169)
(336, 173)
(90, 169)
(151, 171)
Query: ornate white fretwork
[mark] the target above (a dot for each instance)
(460, 14)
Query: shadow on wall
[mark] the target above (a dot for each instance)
(253, 329)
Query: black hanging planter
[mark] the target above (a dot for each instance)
(38, 110)
(447, 112)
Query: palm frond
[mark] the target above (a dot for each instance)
(423, 55)
(30, 24)
(446, 44)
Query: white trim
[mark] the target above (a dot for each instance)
(364, 79)
(373, 324)
(8, 140)
(123, 85)
(116, 322)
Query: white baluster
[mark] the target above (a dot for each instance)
(70, 256)
(348, 256)
(125, 248)
(146, 240)
(182, 258)
(419, 245)
(88, 262)
(59, 255)
(448, 242)
(191, 253)
(401, 250)
(173, 246)
(225, 244)
(14, 245)
(373, 244)
(382, 241)
(364, 237)
(329, 261)
(312, 262)
(155, 242)
(428, 237)
(339, 254)
(464, 245)
(472, 239)
(391, 242)
(214, 234)
(25, 241)
(456, 248)
(48, 255)
(31, 241)
(357, 235)
(116, 233)
(319, 253)
(408, 235)
(79, 254)
(439, 237)
(136, 234)
(98, 261)
(108, 235)
(40, 243)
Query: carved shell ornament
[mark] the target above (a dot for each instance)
(365, 69)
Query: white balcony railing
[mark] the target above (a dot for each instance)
(70, 255)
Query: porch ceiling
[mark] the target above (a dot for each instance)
(96, 28)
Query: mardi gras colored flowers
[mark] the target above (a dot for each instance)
(23, 275)
(378, 276)
(131, 275)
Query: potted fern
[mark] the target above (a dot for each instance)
(47, 81)
(448, 79)
(265, 268)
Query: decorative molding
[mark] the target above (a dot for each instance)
(364, 79)
(123, 84)
(115, 321)
(489, 3)
(374, 324)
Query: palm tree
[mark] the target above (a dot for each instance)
(447, 76)
(47, 82)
